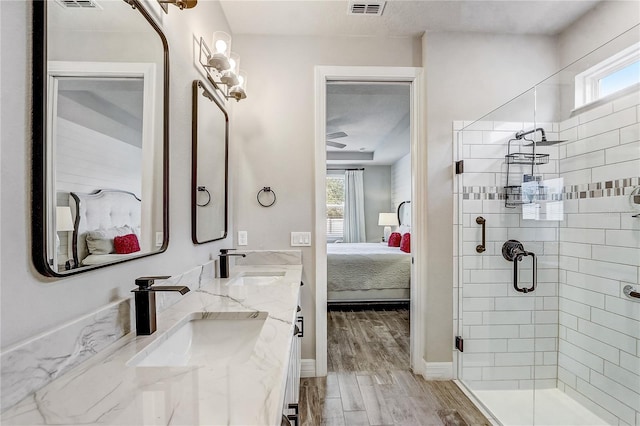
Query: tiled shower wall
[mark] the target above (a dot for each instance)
(586, 338)
(599, 333)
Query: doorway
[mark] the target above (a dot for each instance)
(364, 75)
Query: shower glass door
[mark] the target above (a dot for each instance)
(508, 217)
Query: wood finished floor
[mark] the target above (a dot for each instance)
(369, 381)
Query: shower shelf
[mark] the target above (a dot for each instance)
(527, 158)
(513, 195)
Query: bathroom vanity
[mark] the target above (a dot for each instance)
(227, 352)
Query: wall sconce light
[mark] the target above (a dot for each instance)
(181, 4)
(223, 67)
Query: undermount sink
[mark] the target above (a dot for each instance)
(218, 340)
(257, 278)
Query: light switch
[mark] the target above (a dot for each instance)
(300, 239)
(242, 238)
(159, 239)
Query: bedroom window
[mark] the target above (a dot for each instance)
(614, 76)
(335, 207)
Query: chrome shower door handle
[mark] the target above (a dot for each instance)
(629, 291)
(480, 248)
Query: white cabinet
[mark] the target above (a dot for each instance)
(292, 391)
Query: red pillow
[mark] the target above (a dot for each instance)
(405, 243)
(126, 244)
(394, 239)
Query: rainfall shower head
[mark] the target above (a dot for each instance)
(543, 141)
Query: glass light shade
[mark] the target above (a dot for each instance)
(221, 46)
(238, 91)
(230, 76)
(64, 221)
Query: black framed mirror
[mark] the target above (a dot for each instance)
(100, 135)
(209, 177)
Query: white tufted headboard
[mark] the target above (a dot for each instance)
(104, 208)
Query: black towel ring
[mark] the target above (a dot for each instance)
(204, 189)
(266, 189)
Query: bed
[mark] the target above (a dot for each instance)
(103, 214)
(359, 272)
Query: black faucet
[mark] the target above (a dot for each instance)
(224, 261)
(145, 297)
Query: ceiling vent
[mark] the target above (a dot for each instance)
(78, 4)
(370, 8)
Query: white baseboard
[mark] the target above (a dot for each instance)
(438, 370)
(308, 368)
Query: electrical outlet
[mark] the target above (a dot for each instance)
(242, 238)
(300, 239)
(159, 238)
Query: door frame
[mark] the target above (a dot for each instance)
(414, 76)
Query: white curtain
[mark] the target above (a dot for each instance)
(354, 231)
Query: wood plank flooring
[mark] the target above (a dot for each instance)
(370, 383)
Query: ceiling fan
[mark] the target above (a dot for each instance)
(336, 135)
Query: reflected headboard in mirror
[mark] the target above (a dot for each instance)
(100, 126)
(210, 138)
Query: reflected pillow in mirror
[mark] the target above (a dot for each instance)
(126, 244)
(394, 239)
(100, 241)
(405, 243)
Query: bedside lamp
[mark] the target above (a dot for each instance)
(64, 222)
(387, 220)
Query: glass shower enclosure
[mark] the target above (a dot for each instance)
(548, 255)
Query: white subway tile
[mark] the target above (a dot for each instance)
(471, 262)
(545, 372)
(533, 234)
(496, 262)
(582, 296)
(623, 238)
(472, 206)
(498, 138)
(625, 255)
(527, 331)
(486, 152)
(630, 133)
(514, 304)
(546, 330)
(575, 249)
(550, 358)
(611, 122)
(472, 373)
(607, 336)
(478, 125)
(615, 271)
(627, 101)
(506, 317)
(493, 206)
(550, 303)
(626, 169)
(567, 377)
(595, 113)
(581, 162)
(506, 373)
(510, 126)
(626, 152)
(590, 236)
(573, 359)
(576, 309)
(594, 220)
(590, 282)
(630, 362)
(485, 165)
(629, 222)
(493, 331)
(472, 318)
(603, 399)
(569, 123)
(485, 345)
(514, 359)
(493, 384)
(587, 396)
(491, 276)
(595, 143)
(478, 360)
(471, 137)
(478, 179)
(484, 290)
(545, 317)
(616, 322)
(616, 390)
(569, 263)
(622, 376)
(623, 306)
(568, 320)
(503, 220)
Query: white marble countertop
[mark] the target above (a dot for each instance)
(106, 390)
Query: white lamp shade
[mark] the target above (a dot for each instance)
(387, 219)
(221, 51)
(64, 221)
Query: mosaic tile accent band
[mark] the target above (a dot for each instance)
(610, 188)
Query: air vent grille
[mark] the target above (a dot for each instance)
(78, 4)
(371, 8)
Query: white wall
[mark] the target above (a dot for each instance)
(377, 199)
(401, 181)
(30, 303)
(274, 136)
(467, 76)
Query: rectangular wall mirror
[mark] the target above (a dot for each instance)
(100, 135)
(210, 136)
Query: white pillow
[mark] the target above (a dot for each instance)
(100, 241)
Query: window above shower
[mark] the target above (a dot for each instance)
(616, 76)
